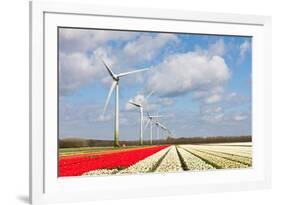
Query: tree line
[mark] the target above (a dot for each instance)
(80, 142)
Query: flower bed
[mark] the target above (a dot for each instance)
(77, 165)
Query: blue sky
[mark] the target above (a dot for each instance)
(200, 83)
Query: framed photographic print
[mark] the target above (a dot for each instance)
(132, 103)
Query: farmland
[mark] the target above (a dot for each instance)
(93, 161)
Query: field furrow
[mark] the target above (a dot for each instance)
(233, 157)
(216, 161)
(171, 162)
(241, 151)
(192, 162)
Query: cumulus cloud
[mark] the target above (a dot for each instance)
(75, 69)
(210, 95)
(81, 50)
(191, 72)
(147, 46)
(143, 100)
(139, 99)
(75, 40)
(245, 47)
(240, 117)
(213, 98)
(165, 101)
(217, 48)
(212, 114)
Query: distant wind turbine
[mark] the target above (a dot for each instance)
(150, 121)
(115, 84)
(140, 106)
(157, 129)
(141, 119)
(163, 127)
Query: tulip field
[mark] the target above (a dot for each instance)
(157, 158)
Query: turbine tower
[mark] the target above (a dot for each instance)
(157, 129)
(115, 84)
(150, 121)
(140, 106)
(163, 127)
(141, 119)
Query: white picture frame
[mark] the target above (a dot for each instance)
(45, 187)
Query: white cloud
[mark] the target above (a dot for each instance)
(213, 98)
(165, 101)
(102, 118)
(78, 68)
(217, 48)
(147, 46)
(143, 100)
(212, 114)
(74, 40)
(209, 96)
(244, 49)
(240, 117)
(195, 72)
(140, 99)
(75, 69)
(80, 52)
(233, 99)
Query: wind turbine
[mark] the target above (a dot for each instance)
(141, 119)
(169, 132)
(115, 84)
(163, 127)
(150, 121)
(140, 106)
(157, 129)
(166, 129)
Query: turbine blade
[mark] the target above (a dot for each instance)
(131, 72)
(133, 103)
(161, 125)
(156, 116)
(109, 95)
(149, 95)
(108, 69)
(147, 123)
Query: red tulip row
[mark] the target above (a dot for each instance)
(77, 165)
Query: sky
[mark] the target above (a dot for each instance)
(200, 84)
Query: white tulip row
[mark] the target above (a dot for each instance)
(146, 165)
(233, 144)
(216, 160)
(101, 172)
(192, 162)
(171, 163)
(234, 157)
(241, 151)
